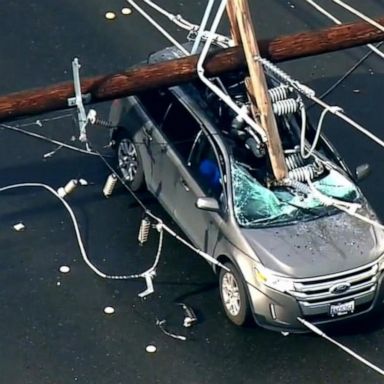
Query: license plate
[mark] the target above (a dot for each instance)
(342, 308)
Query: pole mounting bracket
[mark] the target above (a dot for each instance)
(79, 100)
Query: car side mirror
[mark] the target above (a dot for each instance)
(208, 204)
(362, 171)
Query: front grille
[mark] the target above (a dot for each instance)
(315, 295)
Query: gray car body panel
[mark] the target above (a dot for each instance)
(318, 247)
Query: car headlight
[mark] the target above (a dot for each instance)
(273, 280)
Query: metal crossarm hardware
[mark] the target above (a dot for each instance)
(79, 100)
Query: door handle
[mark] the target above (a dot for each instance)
(184, 184)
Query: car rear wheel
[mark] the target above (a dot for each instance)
(233, 295)
(130, 163)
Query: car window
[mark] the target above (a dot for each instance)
(257, 206)
(181, 128)
(156, 104)
(205, 168)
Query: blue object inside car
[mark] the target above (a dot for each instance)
(210, 172)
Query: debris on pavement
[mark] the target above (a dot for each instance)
(151, 348)
(189, 315)
(83, 182)
(126, 11)
(19, 227)
(68, 188)
(110, 15)
(162, 326)
(110, 185)
(52, 153)
(145, 226)
(109, 310)
(64, 269)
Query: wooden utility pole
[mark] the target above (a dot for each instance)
(109, 87)
(243, 33)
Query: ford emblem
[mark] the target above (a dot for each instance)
(340, 288)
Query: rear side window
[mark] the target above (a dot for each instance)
(156, 104)
(181, 128)
(173, 119)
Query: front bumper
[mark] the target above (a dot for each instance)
(278, 311)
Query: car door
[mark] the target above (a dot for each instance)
(202, 176)
(176, 146)
(170, 142)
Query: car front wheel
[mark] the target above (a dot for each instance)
(233, 295)
(130, 163)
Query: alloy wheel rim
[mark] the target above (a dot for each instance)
(127, 157)
(231, 294)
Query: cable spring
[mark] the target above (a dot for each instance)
(298, 186)
(94, 120)
(293, 161)
(303, 173)
(279, 93)
(279, 72)
(68, 188)
(286, 78)
(103, 123)
(285, 107)
(145, 226)
(110, 185)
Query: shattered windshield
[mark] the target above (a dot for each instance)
(258, 206)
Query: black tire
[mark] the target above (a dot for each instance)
(234, 296)
(129, 161)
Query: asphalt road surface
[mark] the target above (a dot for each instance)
(53, 328)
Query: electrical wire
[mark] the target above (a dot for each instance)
(67, 146)
(79, 238)
(347, 207)
(177, 19)
(221, 40)
(158, 27)
(44, 138)
(359, 14)
(202, 26)
(201, 253)
(40, 122)
(319, 332)
(311, 94)
(223, 96)
(338, 22)
(318, 132)
(345, 76)
(373, 48)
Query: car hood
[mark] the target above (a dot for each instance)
(323, 246)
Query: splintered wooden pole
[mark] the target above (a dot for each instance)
(236, 37)
(243, 32)
(234, 26)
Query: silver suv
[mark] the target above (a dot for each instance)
(288, 255)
